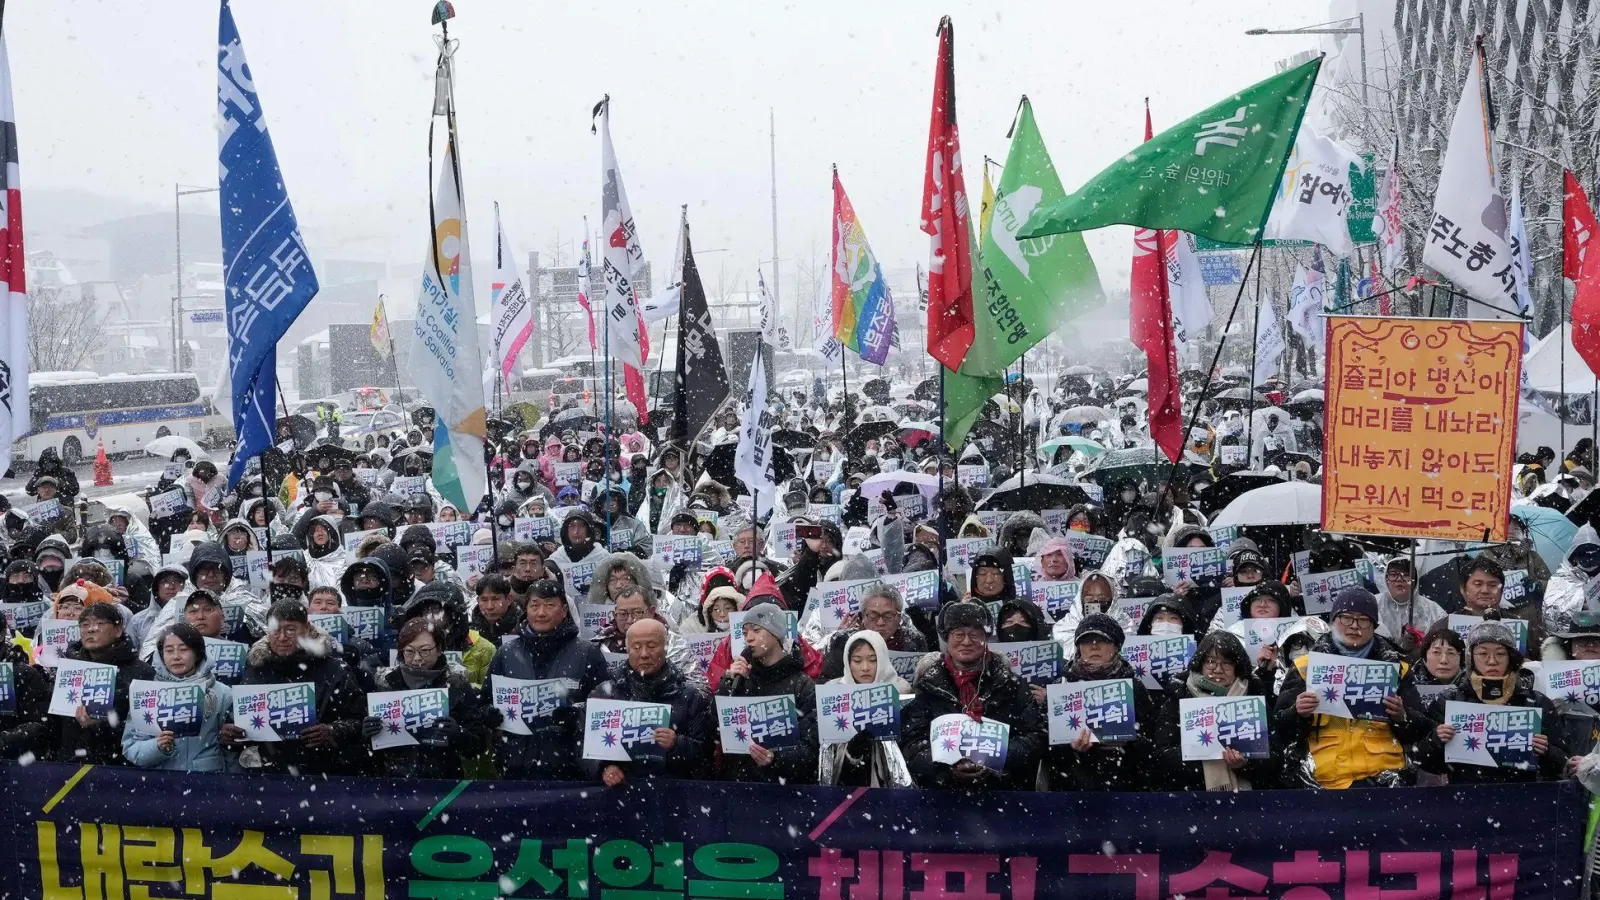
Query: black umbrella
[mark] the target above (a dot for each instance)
(1034, 492)
(1141, 464)
(877, 390)
(1216, 497)
(855, 442)
(301, 428)
(719, 465)
(326, 455)
(927, 391)
(790, 439)
(423, 455)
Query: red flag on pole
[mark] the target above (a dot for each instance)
(944, 217)
(1150, 321)
(1578, 231)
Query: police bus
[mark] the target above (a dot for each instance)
(73, 412)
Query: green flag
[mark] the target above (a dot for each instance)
(1030, 287)
(1213, 175)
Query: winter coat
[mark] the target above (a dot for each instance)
(636, 569)
(340, 704)
(564, 558)
(101, 742)
(469, 708)
(1003, 697)
(1551, 766)
(140, 542)
(200, 753)
(30, 728)
(497, 632)
(1174, 773)
(906, 640)
(1016, 531)
(551, 752)
(1336, 752)
(795, 764)
(611, 640)
(884, 765)
(1130, 766)
(693, 718)
(50, 464)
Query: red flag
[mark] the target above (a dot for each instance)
(1578, 233)
(944, 217)
(1577, 227)
(1150, 320)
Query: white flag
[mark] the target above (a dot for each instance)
(620, 259)
(769, 313)
(1519, 254)
(664, 304)
(445, 361)
(1314, 195)
(511, 311)
(1306, 302)
(13, 272)
(1269, 340)
(825, 343)
(1186, 287)
(1468, 240)
(752, 461)
(1386, 223)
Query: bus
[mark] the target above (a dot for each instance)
(73, 412)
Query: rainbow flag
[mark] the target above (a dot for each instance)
(863, 310)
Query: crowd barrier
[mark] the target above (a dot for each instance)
(105, 833)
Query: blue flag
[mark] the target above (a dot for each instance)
(268, 275)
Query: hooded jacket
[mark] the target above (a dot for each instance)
(1001, 696)
(998, 559)
(140, 542)
(200, 753)
(1128, 767)
(636, 569)
(656, 512)
(101, 742)
(253, 623)
(564, 558)
(1168, 603)
(765, 590)
(795, 764)
(1037, 629)
(1018, 530)
(693, 718)
(340, 705)
(470, 710)
(240, 525)
(883, 765)
(551, 751)
(1550, 766)
(1172, 771)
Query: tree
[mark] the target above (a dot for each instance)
(65, 327)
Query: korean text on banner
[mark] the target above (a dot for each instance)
(1420, 426)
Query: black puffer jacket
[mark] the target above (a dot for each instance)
(340, 705)
(1550, 766)
(551, 751)
(101, 742)
(692, 718)
(468, 708)
(1128, 766)
(28, 730)
(497, 632)
(1004, 698)
(795, 764)
(1173, 772)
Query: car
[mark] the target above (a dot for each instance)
(359, 430)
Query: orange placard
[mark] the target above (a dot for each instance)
(1420, 427)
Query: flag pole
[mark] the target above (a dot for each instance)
(1255, 348)
(590, 311)
(1216, 357)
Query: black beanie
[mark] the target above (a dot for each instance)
(964, 614)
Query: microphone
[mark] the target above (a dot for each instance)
(740, 683)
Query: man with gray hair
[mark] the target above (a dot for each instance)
(882, 610)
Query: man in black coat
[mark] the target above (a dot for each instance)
(968, 679)
(97, 738)
(769, 667)
(547, 646)
(1087, 765)
(647, 677)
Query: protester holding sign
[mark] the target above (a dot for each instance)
(1220, 668)
(98, 739)
(1337, 752)
(26, 727)
(462, 731)
(293, 652)
(771, 666)
(1493, 677)
(866, 760)
(443, 604)
(882, 612)
(181, 659)
(1090, 765)
(547, 646)
(968, 679)
(580, 547)
(647, 676)
(497, 615)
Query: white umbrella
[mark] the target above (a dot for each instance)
(880, 414)
(1083, 415)
(1260, 415)
(1290, 503)
(172, 443)
(1307, 395)
(1138, 384)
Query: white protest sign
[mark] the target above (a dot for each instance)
(90, 685)
(1318, 590)
(528, 703)
(405, 714)
(624, 730)
(1350, 688)
(274, 712)
(169, 503)
(1213, 724)
(1232, 608)
(473, 560)
(55, 635)
(1102, 708)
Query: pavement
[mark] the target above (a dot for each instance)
(127, 475)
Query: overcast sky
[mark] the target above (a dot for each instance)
(120, 98)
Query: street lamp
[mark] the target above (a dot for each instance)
(178, 193)
(1338, 26)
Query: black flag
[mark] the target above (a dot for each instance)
(702, 378)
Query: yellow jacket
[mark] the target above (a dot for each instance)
(1347, 750)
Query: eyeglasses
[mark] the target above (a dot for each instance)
(418, 654)
(965, 637)
(629, 615)
(1353, 622)
(885, 616)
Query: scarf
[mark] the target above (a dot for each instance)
(966, 688)
(1361, 652)
(1497, 691)
(1218, 776)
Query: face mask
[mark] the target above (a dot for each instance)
(1014, 633)
(364, 596)
(22, 593)
(506, 521)
(52, 577)
(104, 555)
(1166, 629)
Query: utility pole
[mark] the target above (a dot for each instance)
(772, 135)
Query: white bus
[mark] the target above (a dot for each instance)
(73, 412)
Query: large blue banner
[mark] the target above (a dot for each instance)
(102, 833)
(267, 275)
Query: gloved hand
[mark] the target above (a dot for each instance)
(860, 746)
(371, 727)
(447, 729)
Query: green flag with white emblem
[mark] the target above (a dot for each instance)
(1213, 175)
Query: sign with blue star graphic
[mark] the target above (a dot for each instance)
(624, 730)
(773, 722)
(1574, 682)
(274, 712)
(844, 709)
(959, 736)
(1350, 688)
(81, 683)
(1102, 708)
(157, 706)
(407, 716)
(1492, 735)
(1211, 725)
